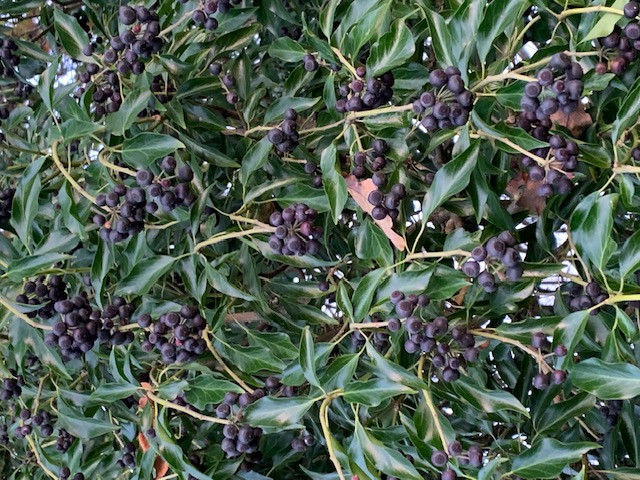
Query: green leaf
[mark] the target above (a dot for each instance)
(547, 458)
(373, 392)
(277, 412)
(71, 35)
(276, 109)
(255, 158)
(145, 148)
(569, 333)
(30, 265)
(25, 202)
(145, 275)
(83, 427)
(591, 224)
(451, 179)
(630, 255)
(372, 244)
(287, 50)
(307, 357)
(500, 17)
(627, 113)
(364, 293)
(441, 38)
(110, 392)
(22, 334)
(334, 184)
(606, 24)
(327, 14)
(252, 359)
(391, 50)
(120, 121)
(389, 460)
(556, 414)
(219, 283)
(206, 390)
(74, 128)
(46, 84)
(102, 263)
(486, 400)
(607, 381)
(391, 371)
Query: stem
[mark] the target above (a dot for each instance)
(535, 354)
(179, 408)
(103, 161)
(365, 326)
(501, 77)
(432, 408)
(596, 8)
(379, 111)
(539, 160)
(67, 175)
(226, 236)
(36, 401)
(6, 304)
(344, 61)
(324, 421)
(626, 169)
(231, 373)
(446, 253)
(321, 129)
(256, 129)
(32, 444)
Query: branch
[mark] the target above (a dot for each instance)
(6, 304)
(328, 438)
(534, 353)
(231, 373)
(226, 236)
(432, 408)
(188, 411)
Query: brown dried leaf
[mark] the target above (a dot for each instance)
(360, 193)
(524, 193)
(577, 122)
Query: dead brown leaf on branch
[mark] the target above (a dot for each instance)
(360, 191)
(576, 122)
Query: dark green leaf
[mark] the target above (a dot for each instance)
(145, 148)
(373, 392)
(547, 458)
(489, 401)
(307, 357)
(120, 121)
(287, 50)
(333, 182)
(591, 225)
(145, 275)
(277, 412)
(71, 34)
(391, 50)
(206, 390)
(607, 381)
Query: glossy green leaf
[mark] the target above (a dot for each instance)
(450, 179)
(500, 17)
(333, 182)
(71, 34)
(277, 412)
(364, 293)
(145, 275)
(373, 392)
(607, 381)
(307, 357)
(287, 50)
(591, 225)
(569, 332)
(486, 400)
(145, 148)
(206, 390)
(299, 104)
(134, 103)
(627, 113)
(25, 202)
(391, 50)
(548, 457)
(255, 158)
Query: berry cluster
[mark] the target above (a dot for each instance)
(164, 92)
(110, 333)
(43, 421)
(295, 232)
(44, 295)
(565, 153)
(127, 215)
(11, 387)
(387, 203)
(6, 202)
(541, 381)
(500, 248)
(472, 457)
(359, 95)
(285, 137)
(310, 63)
(373, 160)
(177, 335)
(611, 410)
(65, 472)
(582, 298)
(311, 168)
(622, 44)
(77, 331)
(64, 441)
(8, 58)
(557, 88)
(294, 34)
(302, 442)
(228, 81)
(240, 439)
(204, 16)
(213, 6)
(128, 456)
(447, 104)
(430, 337)
(106, 97)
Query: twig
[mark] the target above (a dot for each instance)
(231, 373)
(535, 354)
(226, 236)
(67, 175)
(432, 408)
(38, 460)
(328, 437)
(180, 408)
(6, 304)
